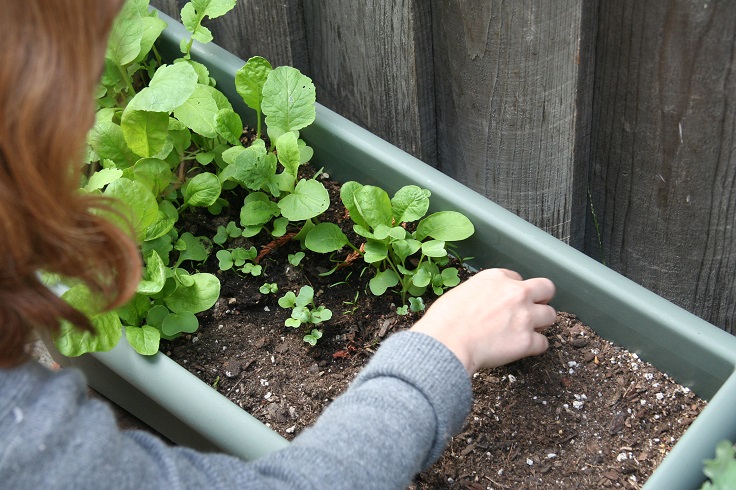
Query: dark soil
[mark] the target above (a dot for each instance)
(586, 414)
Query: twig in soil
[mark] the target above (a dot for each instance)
(273, 245)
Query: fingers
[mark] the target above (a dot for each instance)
(543, 316)
(541, 289)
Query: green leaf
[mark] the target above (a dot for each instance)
(410, 203)
(292, 322)
(108, 330)
(382, 281)
(722, 470)
(288, 101)
(192, 19)
(144, 131)
(154, 173)
(374, 206)
(145, 340)
(375, 251)
(287, 150)
(257, 211)
(201, 296)
(249, 81)
(347, 196)
(288, 300)
(305, 296)
(416, 304)
(152, 29)
(170, 87)
(301, 313)
(309, 199)
(325, 238)
(135, 202)
(279, 226)
(198, 112)
(156, 315)
(202, 190)
(225, 259)
(229, 125)
(124, 44)
(445, 225)
(450, 278)
(154, 275)
(406, 248)
(102, 177)
(107, 140)
(422, 278)
(434, 248)
(132, 312)
(160, 227)
(176, 323)
(191, 248)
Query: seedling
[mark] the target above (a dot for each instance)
(269, 288)
(312, 337)
(304, 310)
(224, 233)
(236, 257)
(414, 261)
(296, 258)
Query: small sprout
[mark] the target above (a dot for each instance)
(402, 310)
(269, 287)
(295, 259)
(416, 304)
(303, 308)
(252, 269)
(313, 337)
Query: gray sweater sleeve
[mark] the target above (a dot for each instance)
(394, 420)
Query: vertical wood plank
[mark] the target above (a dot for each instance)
(513, 105)
(274, 30)
(663, 176)
(371, 62)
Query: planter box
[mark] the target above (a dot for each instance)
(692, 351)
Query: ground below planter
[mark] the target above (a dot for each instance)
(586, 414)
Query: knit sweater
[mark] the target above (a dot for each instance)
(394, 420)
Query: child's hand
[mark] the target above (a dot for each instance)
(492, 319)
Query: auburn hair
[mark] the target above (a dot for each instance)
(49, 66)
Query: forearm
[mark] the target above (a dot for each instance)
(395, 420)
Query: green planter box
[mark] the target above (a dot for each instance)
(692, 351)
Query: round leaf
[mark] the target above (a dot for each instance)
(445, 225)
(309, 199)
(325, 238)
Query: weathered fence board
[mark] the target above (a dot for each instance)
(513, 105)
(372, 62)
(663, 166)
(274, 30)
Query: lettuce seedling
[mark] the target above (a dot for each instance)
(414, 261)
(269, 288)
(303, 309)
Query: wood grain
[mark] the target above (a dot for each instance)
(274, 30)
(372, 62)
(663, 171)
(513, 105)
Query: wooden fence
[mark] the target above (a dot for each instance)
(610, 124)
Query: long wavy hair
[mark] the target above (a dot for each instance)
(50, 63)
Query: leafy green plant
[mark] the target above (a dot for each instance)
(166, 140)
(303, 309)
(721, 471)
(414, 261)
